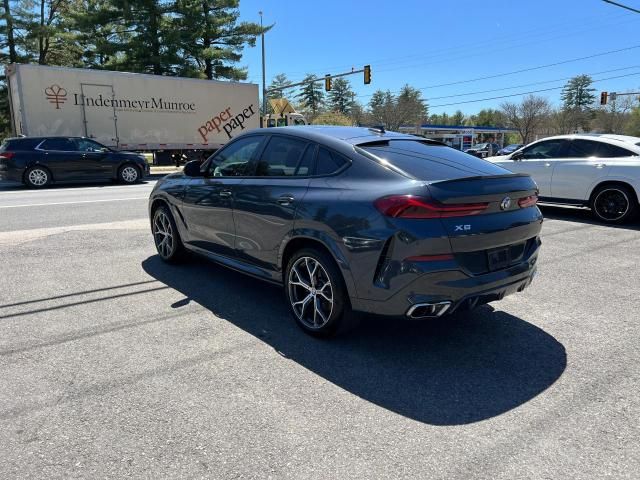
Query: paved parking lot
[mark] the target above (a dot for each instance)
(116, 365)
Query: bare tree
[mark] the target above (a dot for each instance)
(528, 116)
(612, 118)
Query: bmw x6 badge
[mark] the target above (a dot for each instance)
(505, 203)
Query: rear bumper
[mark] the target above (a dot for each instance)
(457, 287)
(11, 174)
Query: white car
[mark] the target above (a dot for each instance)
(598, 171)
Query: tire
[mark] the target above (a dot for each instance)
(37, 177)
(614, 204)
(129, 174)
(312, 279)
(165, 235)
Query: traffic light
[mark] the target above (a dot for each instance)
(367, 74)
(327, 82)
(603, 98)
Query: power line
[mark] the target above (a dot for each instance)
(599, 20)
(527, 84)
(525, 93)
(530, 69)
(622, 6)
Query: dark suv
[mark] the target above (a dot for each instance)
(354, 218)
(38, 161)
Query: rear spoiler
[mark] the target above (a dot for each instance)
(478, 177)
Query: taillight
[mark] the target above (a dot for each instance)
(7, 155)
(408, 206)
(529, 201)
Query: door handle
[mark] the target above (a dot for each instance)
(225, 193)
(286, 200)
(547, 164)
(600, 165)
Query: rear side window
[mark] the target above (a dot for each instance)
(431, 162)
(281, 157)
(329, 162)
(606, 150)
(583, 149)
(19, 144)
(59, 144)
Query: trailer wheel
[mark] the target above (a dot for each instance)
(129, 174)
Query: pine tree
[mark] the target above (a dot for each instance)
(341, 96)
(311, 95)
(278, 81)
(212, 39)
(578, 94)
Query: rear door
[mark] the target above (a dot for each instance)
(62, 157)
(265, 204)
(584, 166)
(538, 160)
(99, 113)
(207, 207)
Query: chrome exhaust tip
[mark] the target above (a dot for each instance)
(428, 310)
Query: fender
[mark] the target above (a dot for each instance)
(330, 244)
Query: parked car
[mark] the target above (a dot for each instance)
(39, 161)
(483, 150)
(510, 149)
(349, 218)
(597, 171)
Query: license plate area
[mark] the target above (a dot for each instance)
(498, 258)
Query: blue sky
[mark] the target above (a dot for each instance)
(429, 43)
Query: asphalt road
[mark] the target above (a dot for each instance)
(115, 365)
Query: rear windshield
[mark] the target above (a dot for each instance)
(431, 162)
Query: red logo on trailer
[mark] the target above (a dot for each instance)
(56, 94)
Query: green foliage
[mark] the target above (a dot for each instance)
(408, 108)
(633, 125)
(311, 95)
(487, 117)
(332, 118)
(578, 94)
(341, 96)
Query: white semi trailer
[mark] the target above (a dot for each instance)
(130, 111)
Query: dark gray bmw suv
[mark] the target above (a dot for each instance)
(354, 219)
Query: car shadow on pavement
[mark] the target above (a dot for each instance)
(451, 371)
(582, 215)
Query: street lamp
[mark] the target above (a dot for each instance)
(264, 84)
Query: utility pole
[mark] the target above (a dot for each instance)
(264, 84)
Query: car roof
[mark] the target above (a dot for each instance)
(350, 135)
(625, 140)
(45, 138)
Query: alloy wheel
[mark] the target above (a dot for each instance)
(38, 177)
(611, 204)
(129, 174)
(310, 292)
(163, 234)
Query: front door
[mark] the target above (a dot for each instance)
(99, 113)
(208, 202)
(95, 159)
(265, 205)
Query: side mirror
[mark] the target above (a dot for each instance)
(517, 156)
(192, 169)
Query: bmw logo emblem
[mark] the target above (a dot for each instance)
(505, 203)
